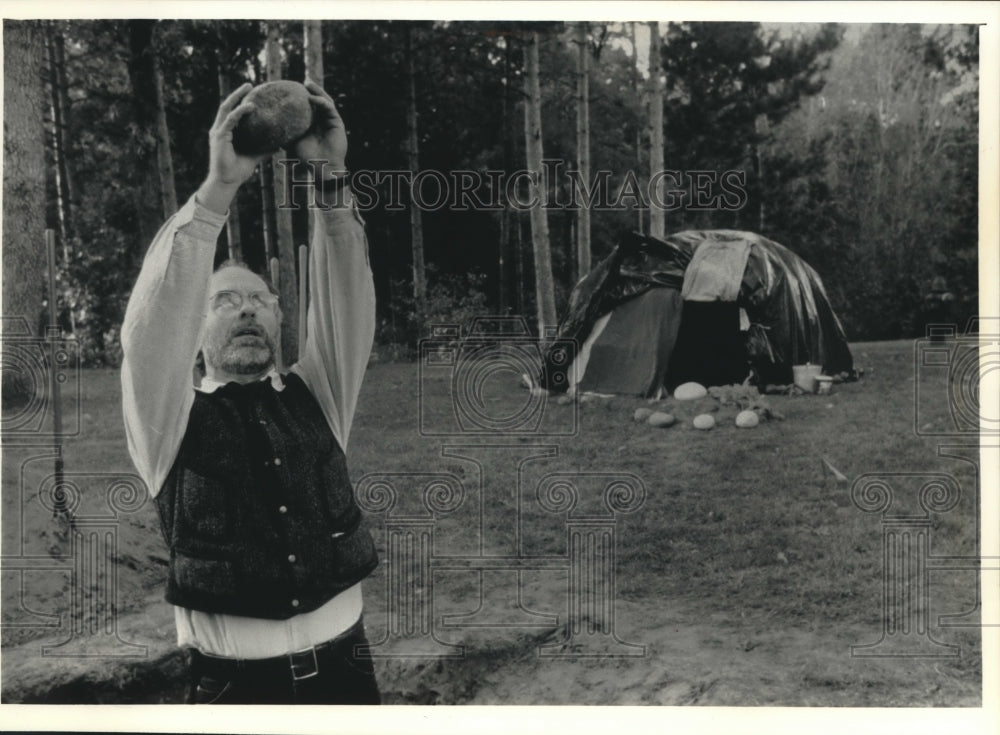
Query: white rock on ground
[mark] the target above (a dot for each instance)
(661, 419)
(690, 391)
(704, 421)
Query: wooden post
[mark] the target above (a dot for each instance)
(276, 282)
(303, 293)
(285, 246)
(59, 498)
(312, 37)
(413, 162)
(234, 237)
(583, 146)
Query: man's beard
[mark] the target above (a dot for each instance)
(242, 355)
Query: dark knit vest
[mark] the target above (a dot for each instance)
(258, 509)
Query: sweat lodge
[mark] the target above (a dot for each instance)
(711, 306)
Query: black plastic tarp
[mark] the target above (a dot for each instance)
(792, 321)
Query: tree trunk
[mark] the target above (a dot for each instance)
(23, 193)
(413, 163)
(762, 128)
(234, 235)
(267, 210)
(312, 36)
(59, 107)
(657, 224)
(639, 158)
(266, 191)
(155, 198)
(284, 239)
(544, 285)
(312, 33)
(518, 227)
(164, 162)
(583, 146)
(508, 157)
(62, 89)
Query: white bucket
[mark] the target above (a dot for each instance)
(804, 376)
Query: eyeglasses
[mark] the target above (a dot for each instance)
(230, 301)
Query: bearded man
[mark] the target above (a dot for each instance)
(267, 544)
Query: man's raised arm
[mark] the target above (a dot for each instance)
(163, 325)
(341, 317)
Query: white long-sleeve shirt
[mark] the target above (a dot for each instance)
(161, 336)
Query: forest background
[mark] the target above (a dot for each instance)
(857, 143)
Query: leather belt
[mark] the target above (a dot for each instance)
(303, 664)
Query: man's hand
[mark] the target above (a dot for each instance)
(324, 148)
(227, 169)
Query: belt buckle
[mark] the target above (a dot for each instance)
(304, 659)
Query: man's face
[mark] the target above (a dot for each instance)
(240, 331)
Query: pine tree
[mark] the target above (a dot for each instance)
(544, 285)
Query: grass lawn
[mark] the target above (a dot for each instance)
(745, 570)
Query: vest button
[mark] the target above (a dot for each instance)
(295, 603)
(282, 509)
(291, 558)
(277, 461)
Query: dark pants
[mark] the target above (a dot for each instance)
(331, 673)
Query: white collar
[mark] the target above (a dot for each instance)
(208, 385)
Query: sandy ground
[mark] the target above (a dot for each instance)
(690, 655)
(687, 649)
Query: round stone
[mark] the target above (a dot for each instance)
(661, 419)
(747, 419)
(282, 114)
(690, 391)
(704, 421)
